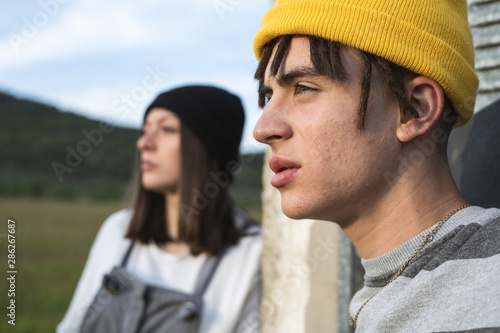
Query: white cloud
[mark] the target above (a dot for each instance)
(93, 27)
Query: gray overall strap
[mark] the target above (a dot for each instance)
(188, 309)
(207, 272)
(127, 255)
(204, 277)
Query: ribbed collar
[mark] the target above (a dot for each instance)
(390, 262)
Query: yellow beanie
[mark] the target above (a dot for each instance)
(430, 37)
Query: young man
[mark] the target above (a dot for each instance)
(360, 98)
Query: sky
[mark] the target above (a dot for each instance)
(107, 60)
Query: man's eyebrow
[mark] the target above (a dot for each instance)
(266, 90)
(299, 72)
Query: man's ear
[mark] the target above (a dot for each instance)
(427, 97)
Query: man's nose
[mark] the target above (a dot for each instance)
(272, 125)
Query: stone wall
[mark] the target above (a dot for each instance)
(484, 19)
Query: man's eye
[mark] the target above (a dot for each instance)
(302, 89)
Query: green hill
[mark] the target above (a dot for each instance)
(45, 152)
(48, 153)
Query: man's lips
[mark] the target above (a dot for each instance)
(284, 170)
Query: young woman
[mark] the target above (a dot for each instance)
(186, 258)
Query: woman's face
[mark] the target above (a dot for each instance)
(159, 148)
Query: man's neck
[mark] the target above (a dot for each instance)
(415, 204)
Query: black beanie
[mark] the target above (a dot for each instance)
(213, 114)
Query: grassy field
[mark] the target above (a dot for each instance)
(52, 242)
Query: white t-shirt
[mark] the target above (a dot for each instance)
(236, 277)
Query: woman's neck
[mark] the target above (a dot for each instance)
(172, 217)
(172, 214)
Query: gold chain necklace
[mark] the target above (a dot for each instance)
(425, 240)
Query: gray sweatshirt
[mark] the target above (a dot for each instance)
(451, 285)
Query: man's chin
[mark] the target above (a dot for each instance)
(302, 212)
(294, 212)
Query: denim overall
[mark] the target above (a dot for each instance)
(126, 305)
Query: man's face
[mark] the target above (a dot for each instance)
(325, 167)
